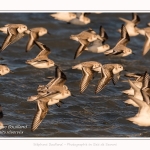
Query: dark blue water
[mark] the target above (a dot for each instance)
(87, 114)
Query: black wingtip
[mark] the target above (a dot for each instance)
(32, 130)
(96, 92)
(75, 57)
(81, 92)
(1, 49)
(27, 50)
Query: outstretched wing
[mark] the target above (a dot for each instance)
(135, 18)
(145, 88)
(42, 109)
(146, 44)
(11, 38)
(115, 78)
(87, 77)
(80, 49)
(32, 37)
(106, 76)
(124, 36)
(103, 34)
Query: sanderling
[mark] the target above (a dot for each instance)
(50, 94)
(54, 96)
(64, 16)
(44, 102)
(142, 118)
(57, 82)
(146, 33)
(137, 94)
(120, 48)
(99, 46)
(85, 37)
(41, 60)
(80, 19)
(109, 72)
(138, 78)
(14, 33)
(34, 34)
(131, 91)
(131, 25)
(4, 69)
(88, 70)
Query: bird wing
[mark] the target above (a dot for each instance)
(60, 78)
(103, 34)
(117, 52)
(115, 78)
(11, 37)
(124, 36)
(140, 103)
(135, 18)
(32, 37)
(106, 76)
(145, 87)
(42, 46)
(43, 54)
(42, 109)
(146, 44)
(80, 50)
(87, 77)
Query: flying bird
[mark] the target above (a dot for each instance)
(131, 25)
(14, 33)
(41, 60)
(120, 48)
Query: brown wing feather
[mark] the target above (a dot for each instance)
(146, 44)
(135, 18)
(11, 37)
(124, 36)
(79, 50)
(42, 109)
(43, 54)
(106, 76)
(33, 37)
(87, 77)
(6, 41)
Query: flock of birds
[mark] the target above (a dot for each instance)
(56, 90)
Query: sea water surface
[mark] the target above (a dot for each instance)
(84, 115)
